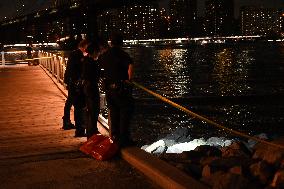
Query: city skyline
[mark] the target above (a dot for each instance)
(12, 8)
(238, 4)
(181, 21)
(67, 18)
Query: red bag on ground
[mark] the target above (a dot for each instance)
(100, 147)
(91, 143)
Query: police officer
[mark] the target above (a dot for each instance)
(75, 94)
(90, 76)
(118, 69)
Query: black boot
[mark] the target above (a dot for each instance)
(80, 133)
(67, 124)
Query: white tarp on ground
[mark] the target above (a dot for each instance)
(180, 141)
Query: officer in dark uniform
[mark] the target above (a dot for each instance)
(72, 79)
(90, 76)
(118, 69)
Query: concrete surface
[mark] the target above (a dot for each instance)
(36, 153)
(159, 171)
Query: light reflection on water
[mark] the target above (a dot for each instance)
(198, 71)
(203, 72)
(173, 61)
(230, 72)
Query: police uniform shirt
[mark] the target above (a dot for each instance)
(73, 68)
(115, 63)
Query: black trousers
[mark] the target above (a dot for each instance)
(120, 107)
(92, 97)
(68, 104)
(76, 98)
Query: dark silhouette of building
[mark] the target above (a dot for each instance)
(65, 19)
(163, 23)
(219, 17)
(183, 17)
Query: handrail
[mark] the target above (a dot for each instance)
(187, 111)
(53, 63)
(4, 59)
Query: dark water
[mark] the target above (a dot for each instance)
(240, 86)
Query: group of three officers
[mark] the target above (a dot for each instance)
(82, 76)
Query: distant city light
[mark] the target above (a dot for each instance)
(139, 21)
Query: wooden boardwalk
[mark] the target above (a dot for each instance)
(35, 152)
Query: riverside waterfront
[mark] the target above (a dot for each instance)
(239, 85)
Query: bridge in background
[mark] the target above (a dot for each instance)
(68, 18)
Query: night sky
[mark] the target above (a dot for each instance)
(8, 8)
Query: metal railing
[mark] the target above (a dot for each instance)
(13, 57)
(56, 65)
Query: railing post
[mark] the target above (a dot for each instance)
(40, 60)
(58, 69)
(64, 64)
(52, 66)
(49, 62)
(61, 69)
(3, 58)
(39, 56)
(44, 61)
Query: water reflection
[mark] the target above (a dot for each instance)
(203, 71)
(174, 63)
(230, 72)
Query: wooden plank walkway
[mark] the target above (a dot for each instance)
(35, 152)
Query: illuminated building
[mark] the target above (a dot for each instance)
(183, 16)
(107, 22)
(135, 21)
(219, 17)
(260, 21)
